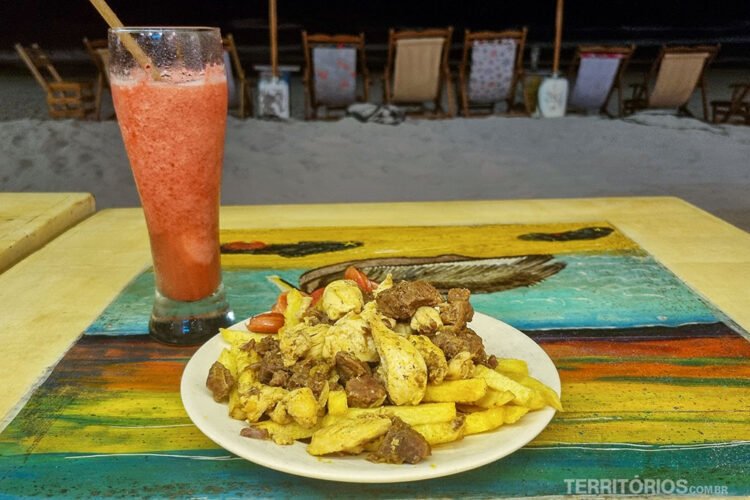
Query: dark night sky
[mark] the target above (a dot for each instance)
(62, 23)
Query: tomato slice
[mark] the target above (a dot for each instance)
(266, 323)
(360, 278)
(316, 295)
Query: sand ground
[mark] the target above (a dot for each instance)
(270, 162)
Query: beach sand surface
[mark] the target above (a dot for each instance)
(267, 162)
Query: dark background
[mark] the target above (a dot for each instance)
(60, 24)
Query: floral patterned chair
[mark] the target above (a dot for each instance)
(491, 68)
(332, 65)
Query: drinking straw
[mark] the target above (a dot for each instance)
(127, 40)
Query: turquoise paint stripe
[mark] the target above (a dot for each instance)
(249, 293)
(528, 472)
(593, 291)
(601, 291)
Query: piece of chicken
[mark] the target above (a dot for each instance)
(461, 366)
(302, 341)
(350, 334)
(341, 297)
(402, 366)
(348, 434)
(434, 358)
(260, 399)
(294, 342)
(298, 405)
(426, 320)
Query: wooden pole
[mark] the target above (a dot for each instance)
(273, 27)
(558, 36)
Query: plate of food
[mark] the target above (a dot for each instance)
(371, 382)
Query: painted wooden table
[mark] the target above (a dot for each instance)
(30, 220)
(645, 316)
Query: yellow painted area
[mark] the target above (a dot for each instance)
(647, 428)
(418, 241)
(617, 397)
(133, 406)
(73, 438)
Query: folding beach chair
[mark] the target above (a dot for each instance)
(598, 73)
(738, 105)
(417, 71)
(65, 99)
(676, 73)
(491, 68)
(238, 83)
(98, 50)
(332, 65)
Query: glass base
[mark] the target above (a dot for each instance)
(189, 323)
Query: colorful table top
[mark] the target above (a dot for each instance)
(30, 220)
(642, 305)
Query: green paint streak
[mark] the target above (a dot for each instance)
(729, 361)
(682, 381)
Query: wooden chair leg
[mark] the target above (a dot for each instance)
(242, 101)
(98, 97)
(704, 99)
(308, 104)
(451, 96)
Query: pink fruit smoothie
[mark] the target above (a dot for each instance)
(174, 137)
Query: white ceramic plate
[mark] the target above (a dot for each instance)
(471, 452)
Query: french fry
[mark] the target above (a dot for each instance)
(514, 413)
(483, 421)
(238, 337)
(337, 404)
(494, 399)
(549, 396)
(507, 366)
(468, 408)
(522, 395)
(348, 433)
(457, 391)
(442, 432)
(427, 413)
(286, 433)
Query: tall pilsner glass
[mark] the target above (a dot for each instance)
(171, 104)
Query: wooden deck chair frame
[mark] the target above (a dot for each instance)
(445, 81)
(626, 52)
(65, 99)
(641, 91)
(245, 106)
(94, 49)
(463, 71)
(311, 41)
(737, 105)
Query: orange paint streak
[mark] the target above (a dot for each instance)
(583, 371)
(155, 376)
(721, 347)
